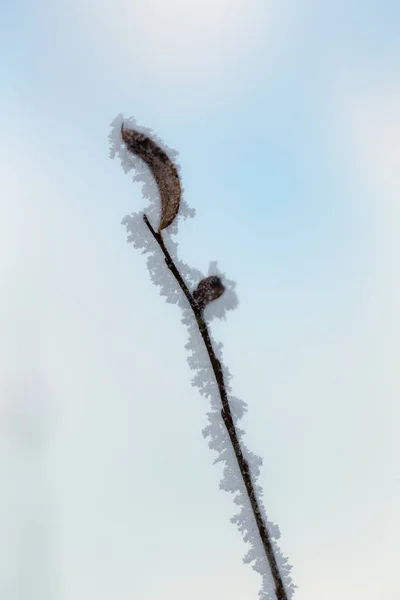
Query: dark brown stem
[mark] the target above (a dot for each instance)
(227, 418)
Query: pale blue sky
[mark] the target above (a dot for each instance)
(286, 119)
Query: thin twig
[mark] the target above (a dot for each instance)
(227, 418)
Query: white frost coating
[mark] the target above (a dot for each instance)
(198, 359)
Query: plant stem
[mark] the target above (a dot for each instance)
(227, 418)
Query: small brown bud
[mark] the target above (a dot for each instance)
(209, 289)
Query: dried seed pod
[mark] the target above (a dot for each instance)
(162, 169)
(209, 289)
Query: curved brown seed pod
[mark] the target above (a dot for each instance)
(162, 169)
(209, 289)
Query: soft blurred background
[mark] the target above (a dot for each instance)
(286, 117)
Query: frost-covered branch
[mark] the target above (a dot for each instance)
(212, 297)
(227, 418)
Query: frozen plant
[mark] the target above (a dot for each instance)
(201, 299)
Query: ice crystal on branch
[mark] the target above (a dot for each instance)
(201, 298)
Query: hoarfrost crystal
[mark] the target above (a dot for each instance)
(198, 359)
